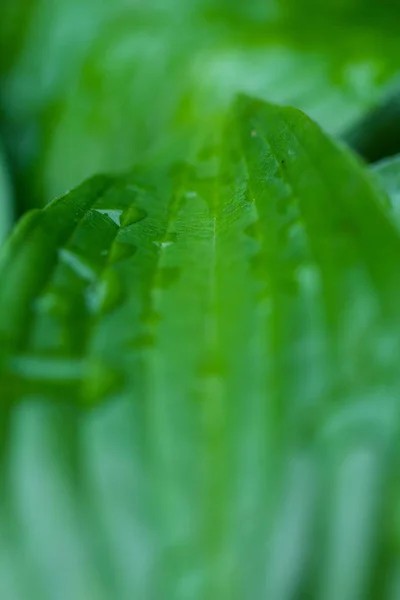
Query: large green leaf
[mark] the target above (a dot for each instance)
(125, 82)
(200, 372)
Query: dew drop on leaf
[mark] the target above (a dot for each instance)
(132, 215)
(113, 213)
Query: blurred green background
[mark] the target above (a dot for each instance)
(92, 86)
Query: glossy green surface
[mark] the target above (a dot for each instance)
(228, 334)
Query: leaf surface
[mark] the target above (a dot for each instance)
(200, 370)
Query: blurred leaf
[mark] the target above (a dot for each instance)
(6, 211)
(377, 134)
(388, 172)
(99, 86)
(231, 327)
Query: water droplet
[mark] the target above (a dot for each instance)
(113, 213)
(131, 215)
(79, 264)
(121, 251)
(253, 133)
(191, 194)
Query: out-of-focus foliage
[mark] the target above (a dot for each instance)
(377, 134)
(388, 173)
(201, 372)
(5, 198)
(89, 86)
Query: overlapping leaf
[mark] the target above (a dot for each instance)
(228, 332)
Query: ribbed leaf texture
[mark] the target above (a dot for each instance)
(200, 382)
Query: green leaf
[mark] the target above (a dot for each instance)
(388, 174)
(125, 83)
(228, 333)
